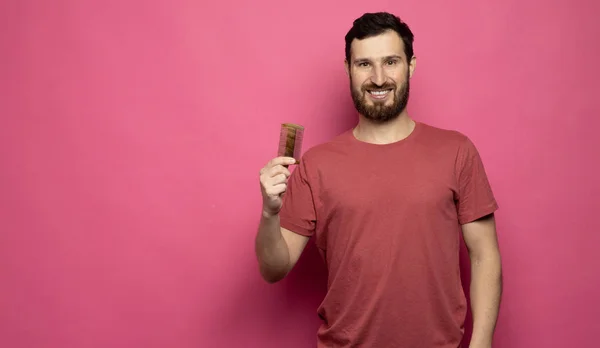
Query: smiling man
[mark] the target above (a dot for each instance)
(387, 202)
(379, 78)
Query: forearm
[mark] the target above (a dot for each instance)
(271, 249)
(486, 292)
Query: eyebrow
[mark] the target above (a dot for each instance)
(361, 60)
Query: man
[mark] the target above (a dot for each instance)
(386, 202)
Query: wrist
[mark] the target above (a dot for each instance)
(480, 343)
(268, 214)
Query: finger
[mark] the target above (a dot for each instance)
(278, 179)
(276, 190)
(279, 169)
(281, 160)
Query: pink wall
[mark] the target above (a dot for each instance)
(129, 161)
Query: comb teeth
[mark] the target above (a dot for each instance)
(290, 141)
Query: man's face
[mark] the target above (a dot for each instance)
(379, 76)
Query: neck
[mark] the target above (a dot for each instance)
(384, 133)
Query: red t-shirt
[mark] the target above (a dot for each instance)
(386, 219)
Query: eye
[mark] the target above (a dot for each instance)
(391, 62)
(363, 64)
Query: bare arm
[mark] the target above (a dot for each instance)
(276, 248)
(486, 278)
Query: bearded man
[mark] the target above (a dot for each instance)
(387, 202)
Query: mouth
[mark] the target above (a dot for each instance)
(379, 93)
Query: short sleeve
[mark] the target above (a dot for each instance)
(474, 198)
(298, 213)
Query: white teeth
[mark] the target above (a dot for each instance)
(379, 92)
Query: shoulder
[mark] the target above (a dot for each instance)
(443, 137)
(326, 151)
(447, 142)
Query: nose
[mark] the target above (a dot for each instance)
(378, 76)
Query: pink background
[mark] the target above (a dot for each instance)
(132, 133)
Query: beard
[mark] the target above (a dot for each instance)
(378, 112)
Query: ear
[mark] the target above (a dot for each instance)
(347, 67)
(412, 65)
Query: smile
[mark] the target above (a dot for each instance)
(379, 94)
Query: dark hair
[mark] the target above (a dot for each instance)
(373, 24)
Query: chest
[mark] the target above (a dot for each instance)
(378, 188)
